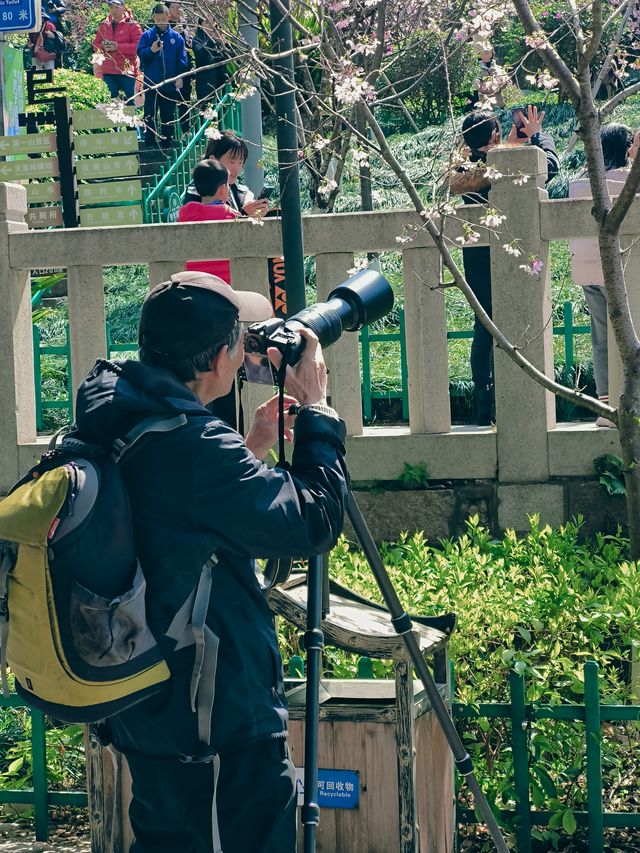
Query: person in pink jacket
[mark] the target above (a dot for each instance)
(117, 39)
(618, 144)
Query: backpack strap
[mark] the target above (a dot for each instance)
(189, 627)
(7, 562)
(123, 446)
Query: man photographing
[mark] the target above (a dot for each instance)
(200, 494)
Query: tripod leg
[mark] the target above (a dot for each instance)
(404, 628)
(314, 644)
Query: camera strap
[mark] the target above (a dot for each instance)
(281, 377)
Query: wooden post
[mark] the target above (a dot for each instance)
(406, 754)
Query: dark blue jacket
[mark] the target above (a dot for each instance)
(166, 63)
(199, 489)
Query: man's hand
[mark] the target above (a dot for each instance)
(109, 45)
(531, 124)
(264, 428)
(156, 46)
(307, 380)
(257, 207)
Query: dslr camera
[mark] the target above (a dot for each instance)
(363, 298)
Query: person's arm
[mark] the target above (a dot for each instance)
(128, 46)
(269, 512)
(97, 42)
(145, 50)
(545, 142)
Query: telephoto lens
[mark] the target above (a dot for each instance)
(362, 299)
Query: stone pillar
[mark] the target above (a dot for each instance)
(87, 335)
(426, 332)
(160, 271)
(525, 412)
(343, 357)
(17, 398)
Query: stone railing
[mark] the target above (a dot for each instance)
(524, 457)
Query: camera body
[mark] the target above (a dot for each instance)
(365, 297)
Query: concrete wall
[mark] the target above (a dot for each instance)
(524, 459)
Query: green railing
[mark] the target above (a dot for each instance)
(367, 339)
(39, 796)
(161, 199)
(521, 714)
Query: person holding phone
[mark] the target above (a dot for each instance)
(117, 39)
(481, 132)
(163, 57)
(231, 150)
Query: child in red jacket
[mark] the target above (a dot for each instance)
(211, 180)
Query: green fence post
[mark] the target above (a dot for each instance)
(37, 375)
(69, 378)
(404, 373)
(366, 373)
(296, 667)
(567, 312)
(520, 751)
(594, 756)
(40, 792)
(365, 668)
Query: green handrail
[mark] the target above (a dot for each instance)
(178, 172)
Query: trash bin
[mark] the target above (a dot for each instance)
(385, 780)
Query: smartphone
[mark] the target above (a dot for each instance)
(518, 114)
(266, 192)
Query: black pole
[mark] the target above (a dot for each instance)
(68, 181)
(288, 169)
(313, 644)
(403, 626)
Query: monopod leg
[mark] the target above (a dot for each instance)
(403, 626)
(313, 643)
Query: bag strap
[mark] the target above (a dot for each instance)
(189, 627)
(123, 446)
(7, 562)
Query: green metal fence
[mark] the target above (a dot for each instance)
(521, 714)
(39, 796)
(367, 339)
(160, 197)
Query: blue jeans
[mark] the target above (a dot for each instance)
(117, 83)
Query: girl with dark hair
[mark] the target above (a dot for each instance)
(617, 144)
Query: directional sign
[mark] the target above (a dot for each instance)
(97, 216)
(106, 167)
(19, 170)
(37, 193)
(29, 143)
(44, 217)
(113, 191)
(19, 16)
(96, 119)
(107, 143)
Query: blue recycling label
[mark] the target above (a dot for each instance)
(337, 789)
(17, 15)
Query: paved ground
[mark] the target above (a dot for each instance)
(15, 838)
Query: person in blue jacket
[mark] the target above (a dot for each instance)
(163, 56)
(208, 755)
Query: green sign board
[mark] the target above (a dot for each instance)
(21, 170)
(31, 143)
(37, 193)
(96, 119)
(97, 216)
(44, 217)
(108, 193)
(106, 167)
(116, 142)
